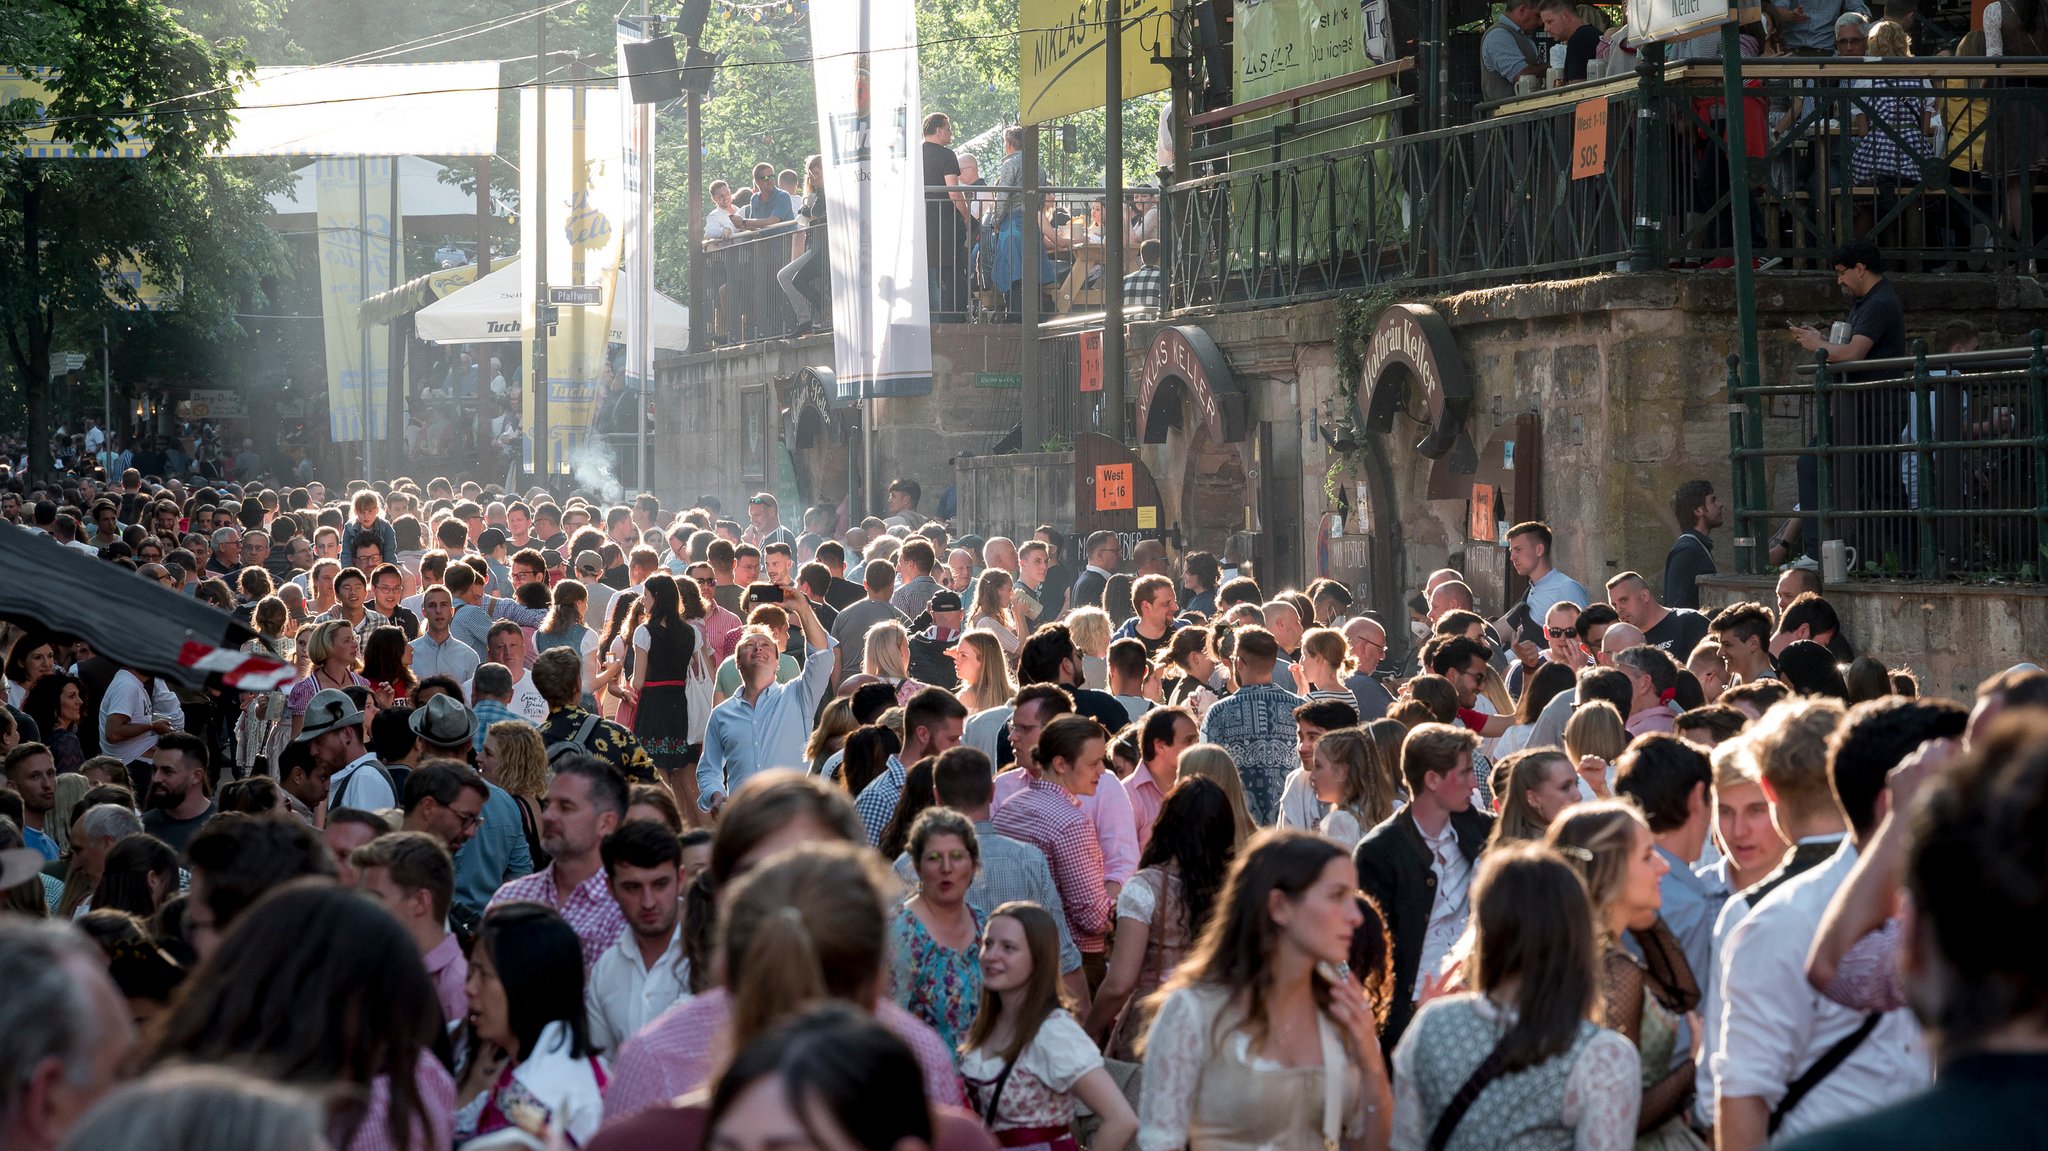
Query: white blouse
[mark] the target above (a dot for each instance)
(1039, 1092)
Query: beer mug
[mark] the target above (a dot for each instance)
(1837, 560)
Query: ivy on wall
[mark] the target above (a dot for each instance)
(1356, 316)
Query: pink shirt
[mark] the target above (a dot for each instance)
(1048, 818)
(449, 970)
(1114, 815)
(589, 910)
(676, 1053)
(722, 628)
(1146, 799)
(1648, 719)
(437, 1094)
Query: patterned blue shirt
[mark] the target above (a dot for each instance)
(1256, 725)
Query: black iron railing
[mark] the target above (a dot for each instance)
(1928, 466)
(1938, 161)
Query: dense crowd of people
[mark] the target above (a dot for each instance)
(612, 827)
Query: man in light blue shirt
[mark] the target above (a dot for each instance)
(1506, 53)
(1529, 552)
(764, 724)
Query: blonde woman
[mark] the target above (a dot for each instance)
(1347, 774)
(1594, 737)
(995, 611)
(1325, 660)
(1090, 628)
(333, 648)
(1535, 787)
(514, 758)
(1212, 762)
(835, 723)
(1611, 847)
(887, 658)
(984, 676)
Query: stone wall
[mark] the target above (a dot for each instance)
(1953, 636)
(699, 415)
(1627, 375)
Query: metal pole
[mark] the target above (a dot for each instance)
(107, 397)
(693, 131)
(537, 387)
(643, 269)
(1650, 179)
(396, 376)
(1113, 226)
(363, 293)
(1745, 248)
(643, 282)
(1034, 249)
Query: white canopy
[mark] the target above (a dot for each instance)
(490, 309)
(439, 109)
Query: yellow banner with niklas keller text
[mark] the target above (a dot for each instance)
(1061, 48)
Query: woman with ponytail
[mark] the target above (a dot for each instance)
(802, 916)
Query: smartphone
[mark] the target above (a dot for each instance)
(768, 593)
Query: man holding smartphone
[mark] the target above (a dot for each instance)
(764, 724)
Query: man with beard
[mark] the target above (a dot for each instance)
(585, 801)
(334, 734)
(32, 773)
(1700, 511)
(178, 803)
(641, 975)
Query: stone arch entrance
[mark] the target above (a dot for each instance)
(817, 437)
(1192, 406)
(1414, 381)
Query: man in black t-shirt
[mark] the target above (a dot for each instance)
(1868, 481)
(1581, 40)
(945, 226)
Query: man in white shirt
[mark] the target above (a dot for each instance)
(135, 711)
(643, 973)
(507, 645)
(1789, 748)
(334, 729)
(1779, 1036)
(437, 651)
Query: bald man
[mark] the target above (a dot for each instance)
(1449, 596)
(1368, 642)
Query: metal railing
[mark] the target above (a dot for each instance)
(1939, 161)
(1927, 466)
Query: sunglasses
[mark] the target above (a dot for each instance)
(1557, 632)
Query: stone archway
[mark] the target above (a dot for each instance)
(817, 439)
(1192, 406)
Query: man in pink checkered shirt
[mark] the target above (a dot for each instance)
(585, 802)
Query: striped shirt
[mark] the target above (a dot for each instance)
(1047, 817)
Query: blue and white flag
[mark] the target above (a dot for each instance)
(868, 119)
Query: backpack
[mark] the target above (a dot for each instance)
(580, 742)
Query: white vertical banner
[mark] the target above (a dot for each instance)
(357, 394)
(585, 202)
(868, 116)
(636, 279)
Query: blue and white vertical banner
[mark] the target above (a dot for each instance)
(636, 274)
(868, 116)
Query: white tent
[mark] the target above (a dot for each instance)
(490, 309)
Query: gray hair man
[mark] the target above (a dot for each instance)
(64, 1032)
